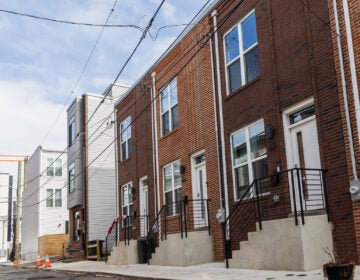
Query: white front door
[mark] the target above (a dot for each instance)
(303, 155)
(200, 195)
(144, 207)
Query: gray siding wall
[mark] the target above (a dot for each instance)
(75, 153)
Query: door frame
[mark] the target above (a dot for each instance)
(288, 142)
(141, 204)
(194, 167)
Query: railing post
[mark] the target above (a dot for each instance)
(166, 221)
(185, 221)
(181, 219)
(106, 249)
(258, 203)
(325, 194)
(116, 233)
(294, 197)
(300, 196)
(225, 244)
(208, 216)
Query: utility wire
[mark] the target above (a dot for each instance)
(206, 40)
(119, 73)
(72, 22)
(81, 73)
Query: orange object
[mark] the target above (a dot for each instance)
(47, 261)
(38, 261)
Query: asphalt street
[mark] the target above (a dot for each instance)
(15, 273)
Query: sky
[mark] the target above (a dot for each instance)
(41, 61)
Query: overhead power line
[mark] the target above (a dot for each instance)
(73, 22)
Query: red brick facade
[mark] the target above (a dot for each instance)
(296, 61)
(338, 12)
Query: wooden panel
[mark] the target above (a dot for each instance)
(53, 244)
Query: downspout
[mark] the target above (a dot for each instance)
(345, 94)
(221, 116)
(216, 125)
(155, 135)
(117, 214)
(352, 65)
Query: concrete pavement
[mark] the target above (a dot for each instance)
(210, 271)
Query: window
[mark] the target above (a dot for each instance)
(125, 138)
(241, 53)
(71, 132)
(71, 178)
(172, 187)
(53, 198)
(169, 107)
(127, 204)
(249, 157)
(54, 167)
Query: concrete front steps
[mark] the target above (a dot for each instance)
(281, 245)
(196, 249)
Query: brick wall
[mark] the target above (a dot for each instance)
(354, 13)
(296, 62)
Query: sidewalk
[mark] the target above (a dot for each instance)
(210, 271)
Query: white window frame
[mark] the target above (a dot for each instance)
(167, 88)
(249, 161)
(241, 55)
(71, 180)
(173, 187)
(71, 131)
(55, 163)
(53, 197)
(129, 204)
(125, 138)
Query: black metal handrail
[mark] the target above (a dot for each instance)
(112, 237)
(179, 217)
(291, 192)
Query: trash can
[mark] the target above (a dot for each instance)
(142, 250)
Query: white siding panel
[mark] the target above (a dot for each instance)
(101, 172)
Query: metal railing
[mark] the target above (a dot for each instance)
(280, 195)
(180, 217)
(112, 237)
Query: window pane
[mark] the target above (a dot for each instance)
(248, 28)
(239, 147)
(232, 45)
(129, 148)
(302, 114)
(178, 198)
(252, 65)
(164, 101)
(169, 203)
(72, 178)
(130, 195)
(167, 178)
(165, 123)
(257, 140)
(58, 167)
(241, 180)
(50, 167)
(49, 198)
(177, 175)
(173, 93)
(260, 169)
(234, 73)
(175, 119)
(58, 198)
(125, 196)
(123, 151)
(128, 128)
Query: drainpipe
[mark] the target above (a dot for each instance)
(221, 116)
(155, 139)
(352, 64)
(355, 182)
(216, 124)
(117, 214)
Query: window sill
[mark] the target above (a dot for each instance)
(244, 87)
(254, 197)
(170, 133)
(124, 161)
